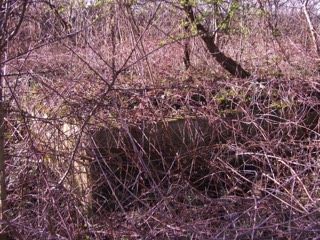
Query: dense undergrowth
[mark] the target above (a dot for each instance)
(250, 169)
(221, 160)
(109, 134)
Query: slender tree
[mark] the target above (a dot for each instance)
(313, 33)
(11, 17)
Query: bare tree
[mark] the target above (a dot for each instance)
(11, 17)
(313, 32)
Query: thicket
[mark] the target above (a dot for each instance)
(160, 120)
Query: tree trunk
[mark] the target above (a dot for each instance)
(186, 57)
(313, 33)
(8, 9)
(227, 63)
(3, 193)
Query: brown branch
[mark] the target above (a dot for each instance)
(227, 63)
(17, 27)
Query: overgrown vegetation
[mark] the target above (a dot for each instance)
(160, 120)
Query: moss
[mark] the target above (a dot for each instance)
(229, 112)
(226, 95)
(277, 73)
(278, 105)
(180, 117)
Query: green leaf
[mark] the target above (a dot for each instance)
(162, 43)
